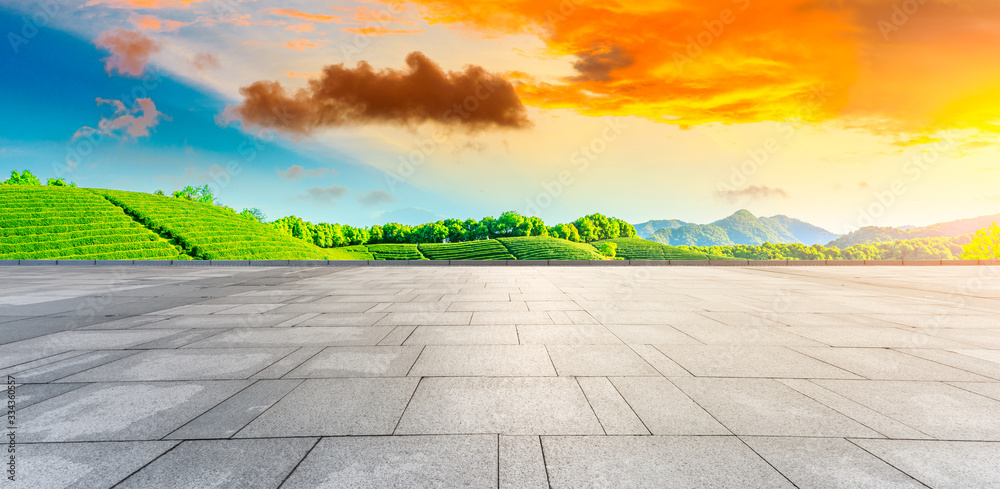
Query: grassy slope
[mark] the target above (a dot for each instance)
(547, 248)
(395, 251)
(641, 249)
(487, 249)
(214, 233)
(69, 223)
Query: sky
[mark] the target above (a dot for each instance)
(842, 113)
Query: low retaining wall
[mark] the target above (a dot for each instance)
(497, 263)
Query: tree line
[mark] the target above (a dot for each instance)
(909, 249)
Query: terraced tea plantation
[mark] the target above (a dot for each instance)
(214, 233)
(641, 249)
(66, 223)
(546, 248)
(487, 249)
(397, 251)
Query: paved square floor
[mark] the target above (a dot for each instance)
(520, 377)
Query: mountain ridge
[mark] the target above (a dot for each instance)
(742, 227)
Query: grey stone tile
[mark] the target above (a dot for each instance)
(122, 411)
(231, 415)
(988, 389)
(44, 346)
(664, 409)
(884, 364)
(464, 335)
(83, 465)
(331, 407)
(397, 336)
(521, 463)
(828, 463)
(256, 308)
(315, 336)
(358, 361)
(598, 361)
(399, 461)
(510, 406)
(343, 319)
(525, 317)
(483, 361)
(28, 394)
(656, 462)
(612, 411)
(223, 463)
(750, 361)
(324, 308)
(180, 339)
(565, 305)
(659, 361)
(940, 410)
(566, 335)
(125, 323)
(487, 306)
(70, 366)
(644, 334)
(184, 364)
(884, 425)
(952, 359)
(426, 318)
(940, 464)
(767, 407)
(278, 369)
(193, 309)
(219, 321)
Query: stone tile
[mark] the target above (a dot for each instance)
(988, 355)
(324, 308)
(659, 361)
(83, 465)
(581, 317)
(656, 462)
(463, 335)
(884, 364)
(125, 323)
(525, 317)
(540, 334)
(483, 361)
(122, 411)
(940, 410)
(940, 464)
(185, 364)
(828, 463)
(343, 319)
(223, 463)
(333, 407)
(750, 361)
(612, 411)
(537, 305)
(194, 309)
(976, 338)
(28, 394)
(250, 309)
(769, 408)
(721, 334)
(988, 389)
(399, 461)
(426, 318)
(865, 337)
(488, 306)
(276, 337)
(598, 361)
(180, 339)
(521, 463)
(509, 406)
(278, 369)
(230, 416)
(651, 335)
(358, 361)
(664, 409)
(219, 321)
(882, 424)
(70, 366)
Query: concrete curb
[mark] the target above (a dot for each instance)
(498, 263)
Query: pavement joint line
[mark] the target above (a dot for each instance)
(318, 439)
(851, 441)
(768, 462)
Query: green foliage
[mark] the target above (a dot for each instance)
(46, 223)
(58, 182)
(914, 249)
(23, 178)
(401, 251)
(985, 245)
(214, 233)
(489, 249)
(548, 248)
(641, 249)
(608, 249)
(254, 213)
(197, 194)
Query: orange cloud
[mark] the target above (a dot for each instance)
(297, 14)
(143, 4)
(130, 51)
(379, 31)
(301, 44)
(292, 74)
(691, 62)
(205, 61)
(153, 23)
(126, 123)
(307, 27)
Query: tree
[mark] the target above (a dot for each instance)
(985, 245)
(58, 182)
(609, 249)
(23, 178)
(254, 213)
(196, 194)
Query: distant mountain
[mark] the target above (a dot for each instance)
(803, 232)
(647, 228)
(872, 234)
(740, 228)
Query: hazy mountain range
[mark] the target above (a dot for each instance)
(744, 228)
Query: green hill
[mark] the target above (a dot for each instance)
(641, 249)
(546, 248)
(646, 229)
(66, 223)
(741, 228)
(950, 229)
(486, 249)
(802, 231)
(694, 235)
(217, 233)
